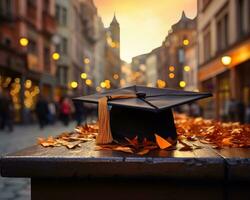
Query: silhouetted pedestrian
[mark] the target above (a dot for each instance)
(65, 110)
(42, 111)
(232, 110)
(7, 110)
(79, 112)
(52, 112)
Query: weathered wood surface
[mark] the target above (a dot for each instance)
(36, 162)
(40, 162)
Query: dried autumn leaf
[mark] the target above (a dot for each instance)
(123, 149)
(161, 142)
(134, 142)
(143, 152)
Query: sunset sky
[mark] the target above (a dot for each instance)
(144, 23)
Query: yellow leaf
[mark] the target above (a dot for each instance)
(161, 142)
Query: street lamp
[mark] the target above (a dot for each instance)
(186, 68)
(74, 84)
(23, 41)
(84, 75)
(226, 60)
(182, 84)
(56, 56)
(186, 42)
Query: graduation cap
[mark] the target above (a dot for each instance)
(138, 111)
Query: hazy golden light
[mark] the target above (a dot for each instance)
(86, 60)
(103, 84)
(74, 84)
(182, 84)
(98, 89)
(24, 41)
(171, 68)
(17, 80)
(161, 83)
(171, 75)
(143, 24)
(187, 68)
(88, 82)
(28, 84)
(226, 60)
(84, 75)
(186, 42)
(116, 76)
(56, 56)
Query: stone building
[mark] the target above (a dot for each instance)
(173, 52)
(112, 54)
(26, 64)
(224, 58)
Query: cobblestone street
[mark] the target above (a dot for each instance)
(21, 137)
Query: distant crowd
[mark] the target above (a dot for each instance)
(46, 112)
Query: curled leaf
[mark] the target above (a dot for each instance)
(161, 142)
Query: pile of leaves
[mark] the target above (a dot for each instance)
(73, 139)
(189, 130)
(216, 133)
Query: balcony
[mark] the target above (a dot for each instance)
(49, 23)
(11, 59)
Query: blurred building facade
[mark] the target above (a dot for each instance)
(55, 48)
(224, 58)
(27, 67)
(112, 54)
(179, 38)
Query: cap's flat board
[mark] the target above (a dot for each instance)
(38, 161)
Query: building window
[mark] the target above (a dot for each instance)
(181, 55)
(32, 47)
(6, 7)
(46, 59)
(64, 49)
(242, 17)
(46, 6)
(222, 33)
(57, 13)
(64, 16)
(31, 3)
(61, 15)
(207, 45)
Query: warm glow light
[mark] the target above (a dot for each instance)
(74, 84)
(103, 84)
(86, 60)
(171, 75)
(182, 84)
(171, 68)
(226, 60)
(84, 75)
(116, 76)
(161, 83)
(187, 68)
(28, 84)
(56, 56)
(24, 41)
(88, 82)
(186, 42)
(98, 89)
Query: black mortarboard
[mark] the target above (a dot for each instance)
(145, 111)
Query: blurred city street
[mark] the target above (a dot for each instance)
(52, 51)
(21, 137)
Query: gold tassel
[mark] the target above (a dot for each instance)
(105, 135)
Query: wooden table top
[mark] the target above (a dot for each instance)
(205, 163)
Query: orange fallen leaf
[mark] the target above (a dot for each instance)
(123, 149)
(161, 142)
(143, 152)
